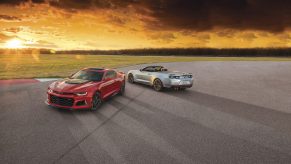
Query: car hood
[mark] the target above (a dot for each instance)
(72, 85)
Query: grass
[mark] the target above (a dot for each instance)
(36, 65)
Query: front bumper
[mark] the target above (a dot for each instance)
(70, 102)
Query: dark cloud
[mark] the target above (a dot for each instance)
(194, 15)
(9, 18)
(17, 2)
(200, 15)
(90, 4)
(12, 2)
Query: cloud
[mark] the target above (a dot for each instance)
(194, 15)
(163, 37)
(17, 2)
(41, 44)
(200, 15)
(9, 18)
(4, 37)
(116, 20)
(249, 36)
(12, 30)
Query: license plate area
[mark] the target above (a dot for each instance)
(185, 83)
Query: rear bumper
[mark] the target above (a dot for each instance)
(181, 86)
(179, 83)
(75, 103)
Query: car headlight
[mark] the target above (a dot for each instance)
(81, 93)
(50, 90)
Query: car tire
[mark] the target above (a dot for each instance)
(96, 101)
(158, 85)
(122, 89)
(130, 78)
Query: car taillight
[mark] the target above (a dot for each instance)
(174, 77)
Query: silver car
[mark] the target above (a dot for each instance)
(159, 77)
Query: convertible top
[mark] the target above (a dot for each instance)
(155, 68)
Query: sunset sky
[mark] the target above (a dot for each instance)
(126, 24)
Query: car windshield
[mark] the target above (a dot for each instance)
(88, 75)
(154, 69)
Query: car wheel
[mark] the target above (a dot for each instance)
(96, 101)
(122, 89)
(130, 78)
(158, 85)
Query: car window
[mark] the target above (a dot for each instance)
(158, 69)
(110, 74)
(88, 75)
(149, 69)
(153, 69)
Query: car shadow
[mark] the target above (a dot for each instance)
(267, 116)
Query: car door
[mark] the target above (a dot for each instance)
(109, 84)
(117, 82)
(145, 74)
(139, 75)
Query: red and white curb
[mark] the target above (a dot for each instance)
(26, 81)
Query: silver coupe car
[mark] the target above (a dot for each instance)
(159, 77)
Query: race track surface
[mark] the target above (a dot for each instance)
(237, 112)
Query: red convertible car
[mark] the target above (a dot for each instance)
(86, 89)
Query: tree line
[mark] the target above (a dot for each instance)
(225, 52)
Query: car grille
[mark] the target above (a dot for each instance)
(61, 101)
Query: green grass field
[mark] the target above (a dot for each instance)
(35, 65)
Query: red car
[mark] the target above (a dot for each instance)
(86, 89)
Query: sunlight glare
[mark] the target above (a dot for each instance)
(14, 43)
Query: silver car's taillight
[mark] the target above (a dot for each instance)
(174, 77)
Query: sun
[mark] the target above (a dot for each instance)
(14, 43)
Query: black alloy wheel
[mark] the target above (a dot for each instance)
(96, 101)
(122, 89)
(130, 78)
(158, 85)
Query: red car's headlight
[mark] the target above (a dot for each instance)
(81, 94)
(50, 90)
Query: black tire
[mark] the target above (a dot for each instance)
(158, 85)
(130, 78)
(122, 89)
(96, 101)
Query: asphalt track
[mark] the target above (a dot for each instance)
(237, 112)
